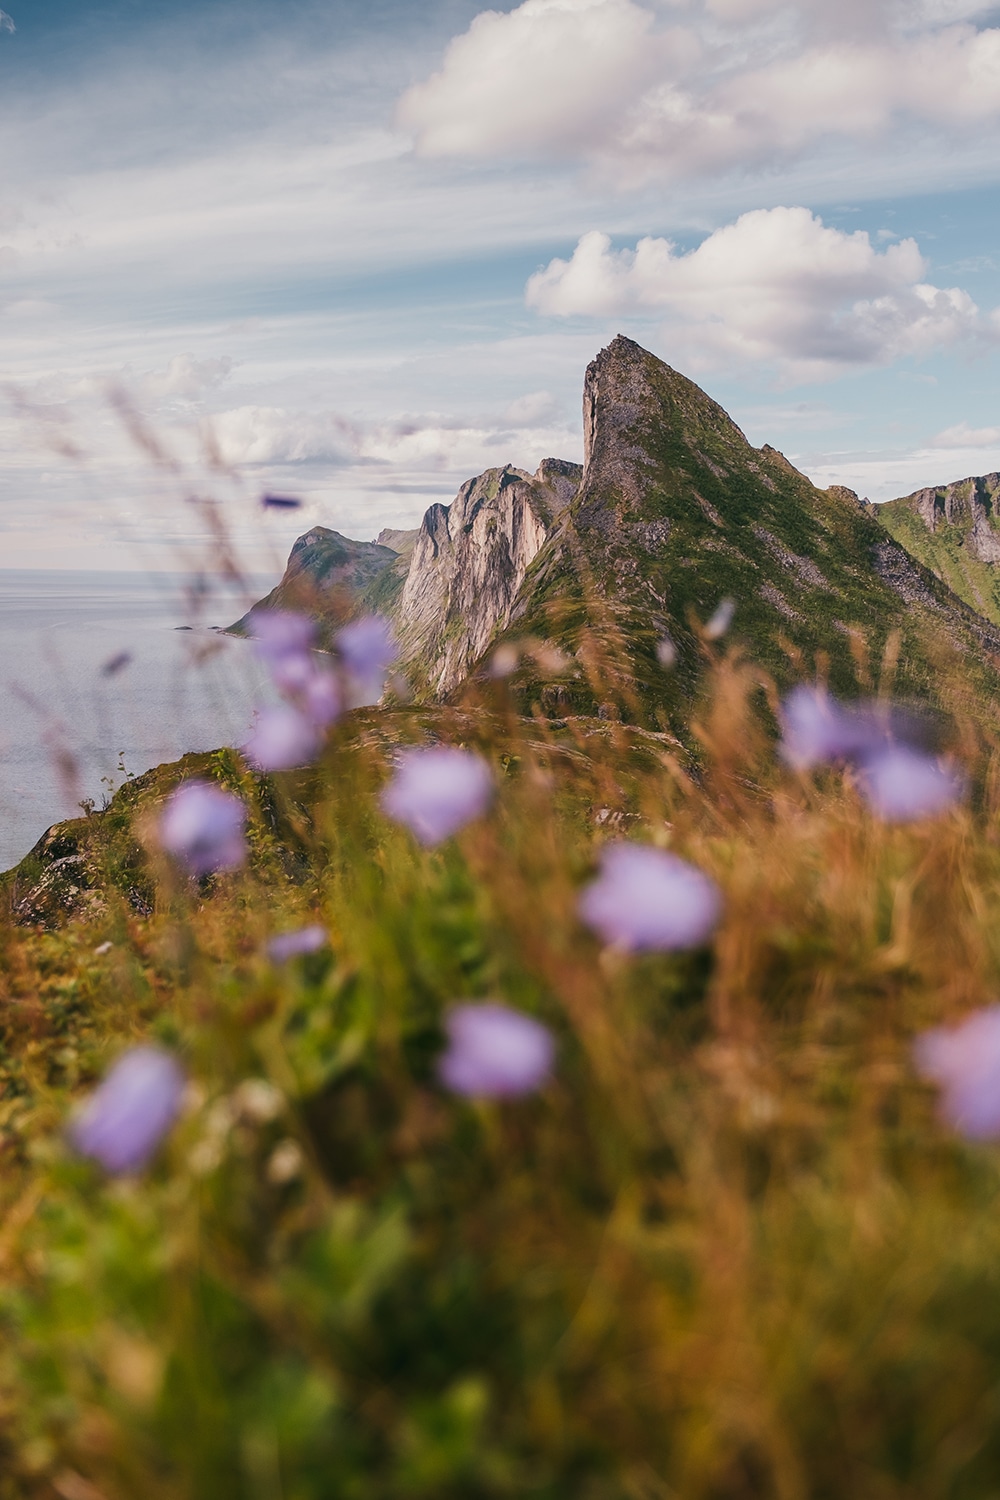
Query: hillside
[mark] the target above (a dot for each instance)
(955, 532)
(325, 573)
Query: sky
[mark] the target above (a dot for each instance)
(356, 251)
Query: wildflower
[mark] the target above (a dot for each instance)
(666, 653)
(436, 792)
(277, 633)
(716, 627)
(504, 661)
(903, 785)
(818, 729)
(964, 1061)
(319, 698)
(367, 649)
(281, 738)
(280, 502)
(202, 826)
(116, 663)
(648, 900)
(128, 1115)
(286, 945)
(494, 1052)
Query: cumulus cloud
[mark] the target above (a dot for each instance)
(551, 71)
(647, 90)
(776, 287)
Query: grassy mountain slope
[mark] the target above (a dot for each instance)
(954, 531)
(677, 512)
(325, 574)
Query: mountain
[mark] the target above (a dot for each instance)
(326, 573)
(468, 564)
(677, 512)
(955, 531)
(673, 515)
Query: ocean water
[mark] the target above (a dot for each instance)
(71, 729)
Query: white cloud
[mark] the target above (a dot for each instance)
(428, 443)
(551, 70)
(964, 436)
(270, 435)
(776, 287)
(737, 84)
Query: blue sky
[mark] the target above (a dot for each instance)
(357, 252)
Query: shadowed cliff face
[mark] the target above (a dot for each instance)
(469, 562)
(955, 531)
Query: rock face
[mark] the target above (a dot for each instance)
(469, 561)
(955, 531)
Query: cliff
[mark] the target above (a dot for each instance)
(468, 564)
(954, 530)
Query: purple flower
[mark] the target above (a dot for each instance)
(436, 792)
(116, 663)
(320, 699)
(202, 826)
(292, 671)
(127, 1116)
(494, 1052)
(280, 502)
(964, 1061)
(720, 622)
(367, 649)
(903, 785)
(286, 945)
(280, 632)
(281, 738)
(818, 729)
(647, 900)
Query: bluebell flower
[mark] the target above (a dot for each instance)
(281, 739)
(367, 649)
(902, 785)
(286, 945)
(127, 1116)
(203, 827)
(494, 1052)
(435, 792)
(647, 900)
(964, 1061)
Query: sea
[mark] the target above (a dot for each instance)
(103, 675)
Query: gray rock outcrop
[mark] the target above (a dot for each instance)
(469, 561)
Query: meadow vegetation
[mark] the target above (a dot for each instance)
(730, 1250)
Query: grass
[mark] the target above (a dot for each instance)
(729, 1253)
